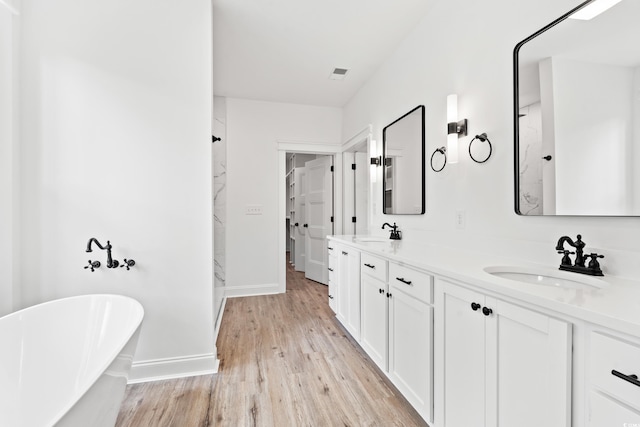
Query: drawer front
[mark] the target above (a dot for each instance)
(373, 266)
(605, 412)
(410, 281)
(610, 354)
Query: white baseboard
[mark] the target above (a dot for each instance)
(252, 290)
(170, 368)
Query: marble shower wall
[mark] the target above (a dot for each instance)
(219, 201)
(531, 160)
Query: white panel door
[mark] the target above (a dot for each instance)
(300, 175)
(318, 211)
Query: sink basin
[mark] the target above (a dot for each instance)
(371, 239)
(547, 277)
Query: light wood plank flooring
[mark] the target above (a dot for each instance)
(284, 361)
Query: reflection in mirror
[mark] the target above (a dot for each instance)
(577, 115)
(403, 164)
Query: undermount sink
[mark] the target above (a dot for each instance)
(371, 239)
(547, 277)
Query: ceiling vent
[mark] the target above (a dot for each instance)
(338, 74)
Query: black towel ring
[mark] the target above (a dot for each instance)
(443, 151)
(482, 137)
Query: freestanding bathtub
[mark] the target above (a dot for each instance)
(66, 362)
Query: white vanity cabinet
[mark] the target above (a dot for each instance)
(332, 282)
(346, 274)
(374, 308)
(397, 327)
(503, 365)
(410, 339)
(614, 389)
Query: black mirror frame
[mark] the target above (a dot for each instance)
(422, 161)
(516, 105)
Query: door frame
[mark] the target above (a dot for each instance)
(335, 150)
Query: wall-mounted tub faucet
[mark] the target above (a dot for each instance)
(110, 262)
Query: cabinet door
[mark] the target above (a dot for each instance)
(374, 309)
(529, 367)
(410, 350)
(353, 290)
(464, 358)
(333, 276)
(343, 282)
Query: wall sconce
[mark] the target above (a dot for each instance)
(375, 160)
(455, 128)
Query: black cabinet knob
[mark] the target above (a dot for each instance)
(486, 311)
(475, 306)
(305, 225)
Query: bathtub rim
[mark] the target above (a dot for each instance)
(111, 356)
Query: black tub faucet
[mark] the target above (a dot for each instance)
(110, 262)
(395, 234)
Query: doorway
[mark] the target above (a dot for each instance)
(309, 216)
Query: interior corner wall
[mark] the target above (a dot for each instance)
(9, 21)
(473, 57)
(253, 130)
(116, 144)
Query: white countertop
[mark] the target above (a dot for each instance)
(616, 306)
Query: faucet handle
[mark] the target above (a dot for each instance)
(128, 263)
(565, 259)
(92, 265)
(594, 264)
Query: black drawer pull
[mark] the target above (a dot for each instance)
(475, 306)
(330, 248)
(330, 269)
(633, 379)
(330, 296)
(345, 253)
(402, 279)
(486, 311)
(370, 266)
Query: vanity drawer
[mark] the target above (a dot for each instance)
(413, 282)
(610, 354)
(373, 266)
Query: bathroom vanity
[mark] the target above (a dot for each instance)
(472, 339)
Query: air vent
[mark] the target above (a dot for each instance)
(338, 74)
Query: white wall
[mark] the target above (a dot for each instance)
(253, 130)
(116, 144)
(466, 48)
(9, 21)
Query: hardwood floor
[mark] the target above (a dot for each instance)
(284, 361)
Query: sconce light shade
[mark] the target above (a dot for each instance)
(455, 128)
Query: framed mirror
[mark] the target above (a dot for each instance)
(577, 114)
(403, 164)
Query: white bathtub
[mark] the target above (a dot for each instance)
(66, 362)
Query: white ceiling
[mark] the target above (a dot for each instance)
(285, 50)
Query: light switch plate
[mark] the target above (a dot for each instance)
(253, 210)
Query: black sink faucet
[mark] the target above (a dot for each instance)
(395, 234)
(110, 262)
(593, 268)
(578, 244)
